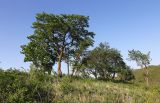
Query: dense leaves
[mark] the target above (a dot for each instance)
(20, 87)
(104, 62)
(57, 38)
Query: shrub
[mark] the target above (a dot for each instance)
(22, 87)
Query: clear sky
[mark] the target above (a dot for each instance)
(124, 24)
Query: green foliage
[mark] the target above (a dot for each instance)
(127, 74)
(105, 62)
(21, 87)
(140, 58)
(56, 38)
(10, 87)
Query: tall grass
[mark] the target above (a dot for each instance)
(38, 87)
(91, 91)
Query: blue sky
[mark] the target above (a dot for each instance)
(124, 24)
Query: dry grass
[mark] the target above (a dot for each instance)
(91, 91)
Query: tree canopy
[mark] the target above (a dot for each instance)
(59, 38)
(142, 60)
(104, 62)
(55, 38)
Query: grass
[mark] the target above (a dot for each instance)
(92, 91)
(154, 75)
(35, 87)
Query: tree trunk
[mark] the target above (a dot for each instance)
(72, 72)
(49, 72)
(59, 64)
(68, 67)
(96, 74)
(146, 75)
(114, 74)
(147, 81)
(50, 69)
(105, 75)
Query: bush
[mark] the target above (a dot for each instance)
(22, 87)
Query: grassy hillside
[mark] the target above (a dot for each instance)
(154, 75)
(37, 87)
(93, 91)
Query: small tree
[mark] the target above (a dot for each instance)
(105, 62)
(126, 74)
(142, 60)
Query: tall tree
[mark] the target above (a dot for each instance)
(142, 60)
(61, 35)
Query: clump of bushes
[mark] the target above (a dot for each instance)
(22, 87)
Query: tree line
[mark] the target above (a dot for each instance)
(66, 38)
